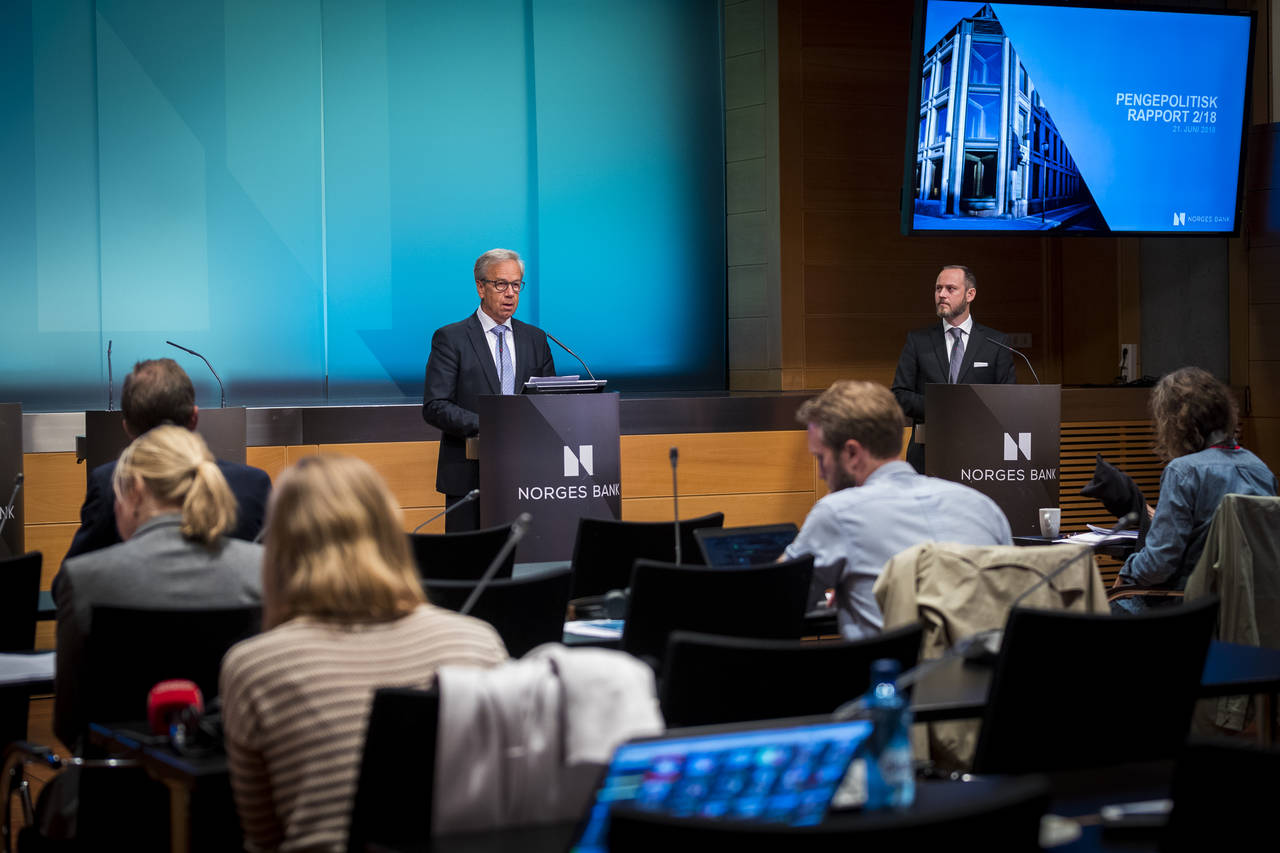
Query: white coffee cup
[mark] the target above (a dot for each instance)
(1050, 521)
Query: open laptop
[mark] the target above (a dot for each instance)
(780, 771)
(744, 546)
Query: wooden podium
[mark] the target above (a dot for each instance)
(1003, 440)
(554, 456)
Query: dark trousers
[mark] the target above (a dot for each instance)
(464, 518)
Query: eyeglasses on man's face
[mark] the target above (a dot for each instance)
(501, 285)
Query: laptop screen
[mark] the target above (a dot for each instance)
(744, 546)
(781, 774)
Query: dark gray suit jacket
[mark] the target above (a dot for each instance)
(924, 360)
(157, 568)
(459, 371)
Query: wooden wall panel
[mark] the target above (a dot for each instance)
(409, 467)
(51, 540)
(273, 460)
(717, 463)
(53, 489)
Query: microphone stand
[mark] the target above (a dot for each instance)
(467, 498)
(518, 529)
(222, 392)
(1020, 355)
(675, 502)
(572, 353)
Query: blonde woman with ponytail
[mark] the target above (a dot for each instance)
(174, 510)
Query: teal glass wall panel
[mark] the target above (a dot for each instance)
(299, 189)
(631, 188)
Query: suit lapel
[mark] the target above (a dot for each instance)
(523, 353)
(940, 351)
(977, 335)
(475, 333)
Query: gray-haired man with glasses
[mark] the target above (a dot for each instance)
(490, 352)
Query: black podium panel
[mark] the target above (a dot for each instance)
(222, 429)
(556, 457)
(11, 543)
(1002, 440)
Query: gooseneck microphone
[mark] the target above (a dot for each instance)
(111, 386)
(519, 528)
(1023, 357)
(467, 498)
(221, 391)
(13, 499)
(572, 353)
(675, 502)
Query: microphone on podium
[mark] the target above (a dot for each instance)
(1020, 355)
(675, 502)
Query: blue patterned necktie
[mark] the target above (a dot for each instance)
(506, 367)
(957, 353)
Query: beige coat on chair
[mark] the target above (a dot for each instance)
(958, 590)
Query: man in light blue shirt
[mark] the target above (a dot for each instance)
(878, 505)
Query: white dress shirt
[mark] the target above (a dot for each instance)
(488, 323)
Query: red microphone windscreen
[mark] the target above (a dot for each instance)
(168, 698)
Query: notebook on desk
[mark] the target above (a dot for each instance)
(744, 546)
(782, 771)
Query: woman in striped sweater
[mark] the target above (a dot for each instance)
(346, 615)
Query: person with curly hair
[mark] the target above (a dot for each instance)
(1195, 420)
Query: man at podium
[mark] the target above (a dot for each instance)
(490, 352)
(957, 350)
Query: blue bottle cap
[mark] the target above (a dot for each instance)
(885, 669)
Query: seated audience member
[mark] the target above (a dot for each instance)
(158, 391)
(1195, 420)
(174, 510)
(878, 505)
(345, 615)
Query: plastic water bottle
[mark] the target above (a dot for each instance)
(891, 781)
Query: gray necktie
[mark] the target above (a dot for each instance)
(506, 367)
(957, 353)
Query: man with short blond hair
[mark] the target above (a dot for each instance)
(878, 505)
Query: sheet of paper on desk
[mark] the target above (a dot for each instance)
(605, 629)
(15, 669)
(1098, 537)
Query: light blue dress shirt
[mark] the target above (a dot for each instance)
(852, 533)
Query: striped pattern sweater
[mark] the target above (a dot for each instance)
(296, 703)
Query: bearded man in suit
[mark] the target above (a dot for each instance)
(956, 350)
(490, 352)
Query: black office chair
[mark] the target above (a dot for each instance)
(130, 649)
(1221, 786)
(19, 596)
(754, 601)
(711, 679)
(526, 611)
(1073, 691)
(606, 550)
(393, 798)
(461, 556)
(1001, 815)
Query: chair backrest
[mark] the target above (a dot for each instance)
(526, 611)
(606, 550)
(1220, 784)
(1239, 564)
(755, 601)
(995, 814)
(393, 799)
(129, 650)
(1073, 691)
(19, 597)
(711, 679)
(461, 556)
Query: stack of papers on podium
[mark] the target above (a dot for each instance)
(23, 668)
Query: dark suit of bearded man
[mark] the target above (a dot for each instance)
(463, 366)
(925, 356)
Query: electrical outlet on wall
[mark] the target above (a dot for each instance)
(1128, 362)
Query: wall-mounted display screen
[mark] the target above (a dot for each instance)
(1040, 117)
